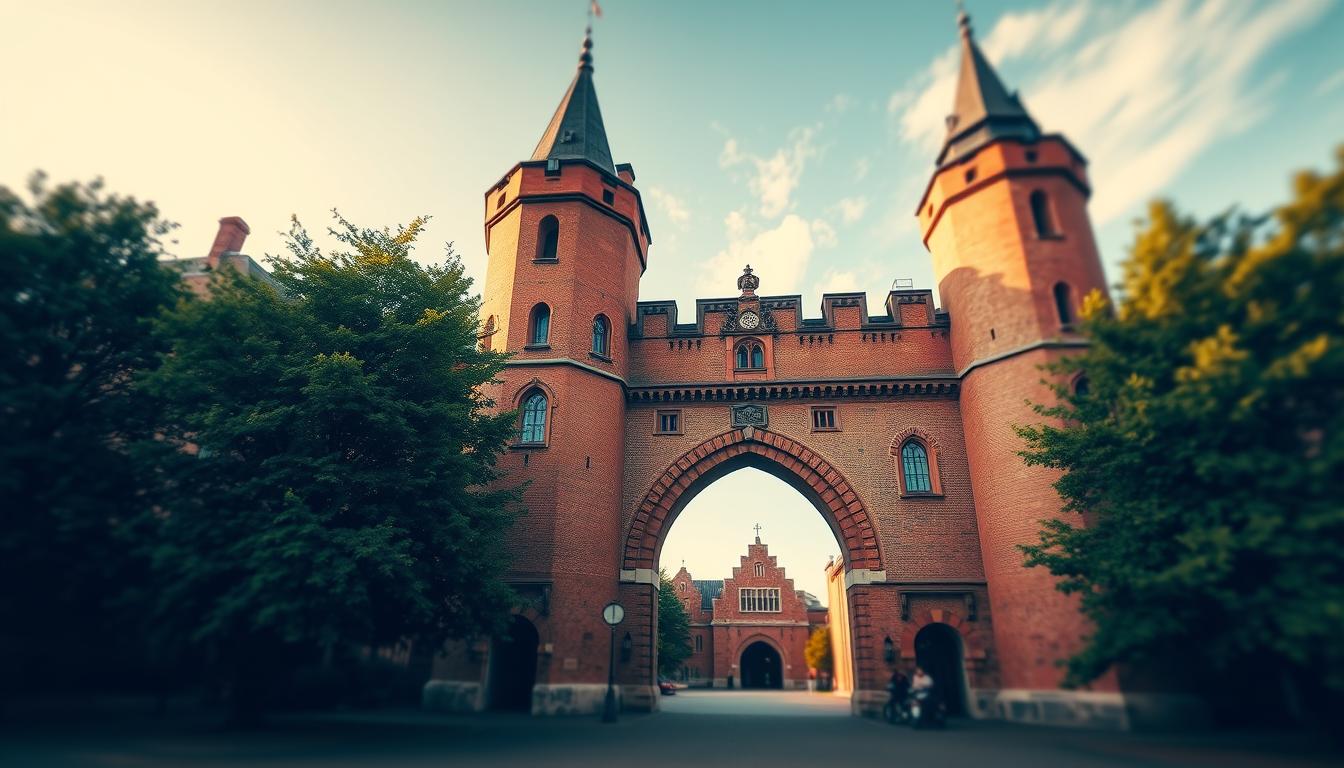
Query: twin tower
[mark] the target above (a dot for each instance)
(895, 422)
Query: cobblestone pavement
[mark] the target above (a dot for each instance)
(699, 728)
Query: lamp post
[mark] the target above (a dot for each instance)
(613, 614)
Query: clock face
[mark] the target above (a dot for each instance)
(749, 320)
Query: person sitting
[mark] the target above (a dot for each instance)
(899, 689)
(922, 681)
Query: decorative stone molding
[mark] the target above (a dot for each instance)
(859, 576)
(750, 416)
(639, 576)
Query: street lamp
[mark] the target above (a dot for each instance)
(613, 614)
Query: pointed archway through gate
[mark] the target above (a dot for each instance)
(808, 472)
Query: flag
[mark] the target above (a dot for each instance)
(595, 9)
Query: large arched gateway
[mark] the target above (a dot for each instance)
(896, 422)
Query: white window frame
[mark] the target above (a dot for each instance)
(758, 600)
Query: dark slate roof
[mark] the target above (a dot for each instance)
(709, 589)
(984, 110)
(810, 600)
(576, 131)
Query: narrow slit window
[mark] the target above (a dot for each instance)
(1063, 305)
(1040, 214)
(541, 324)
(548, 239)
(601, 336)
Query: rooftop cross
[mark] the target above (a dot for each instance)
(758, 532)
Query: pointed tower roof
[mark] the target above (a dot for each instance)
(984, 109)
(576, 131)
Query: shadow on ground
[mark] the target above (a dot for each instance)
(700, 728)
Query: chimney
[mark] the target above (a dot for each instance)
(233, 232)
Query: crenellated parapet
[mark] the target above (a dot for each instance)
(912, 308)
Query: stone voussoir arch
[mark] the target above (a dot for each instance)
(760, 637)
(831, 492)
(974, 644)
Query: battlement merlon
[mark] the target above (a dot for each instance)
(909, 308)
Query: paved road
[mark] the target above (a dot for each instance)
(755, 704)
(703, 728)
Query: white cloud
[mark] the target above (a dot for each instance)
(839, 103)
(823, 234)
(777, 176)
(731, 154)
(779, 256)
(1330, 83)
(1141, 96)
(671, 205)
(773, 179)
(861, 168)
(851, 209)
(835, 281)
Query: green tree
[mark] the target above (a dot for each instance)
(674, 628)
(342, 493)
(80, 283)
(817, 653)
(1206, 451)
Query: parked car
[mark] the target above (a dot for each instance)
(667, 687)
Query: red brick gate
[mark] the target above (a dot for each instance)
(801, 467)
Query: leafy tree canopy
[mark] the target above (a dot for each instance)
(674, 628)
(1206, 450)
(817, 653)
(342, 487)
(80, 283)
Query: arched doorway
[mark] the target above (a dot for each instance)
(938, 652)
(513, 666)
(761, 666)
(821, 484)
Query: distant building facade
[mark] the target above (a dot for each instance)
(749, 630)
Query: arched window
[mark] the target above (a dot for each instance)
(1081, 386)
(601, 332)
(1040, 214)
(548, 239)
(1063, 306)
(681, 587)
(534, 419)
(750, 354)
(759, 570)
(541, 325)
(915, 467)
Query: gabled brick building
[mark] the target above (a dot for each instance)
(895, 422)
(748, 630)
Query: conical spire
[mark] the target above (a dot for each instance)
(576, 131)
(984, 110)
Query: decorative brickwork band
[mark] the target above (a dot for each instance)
(788, 459)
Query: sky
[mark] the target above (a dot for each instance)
(791, 134)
